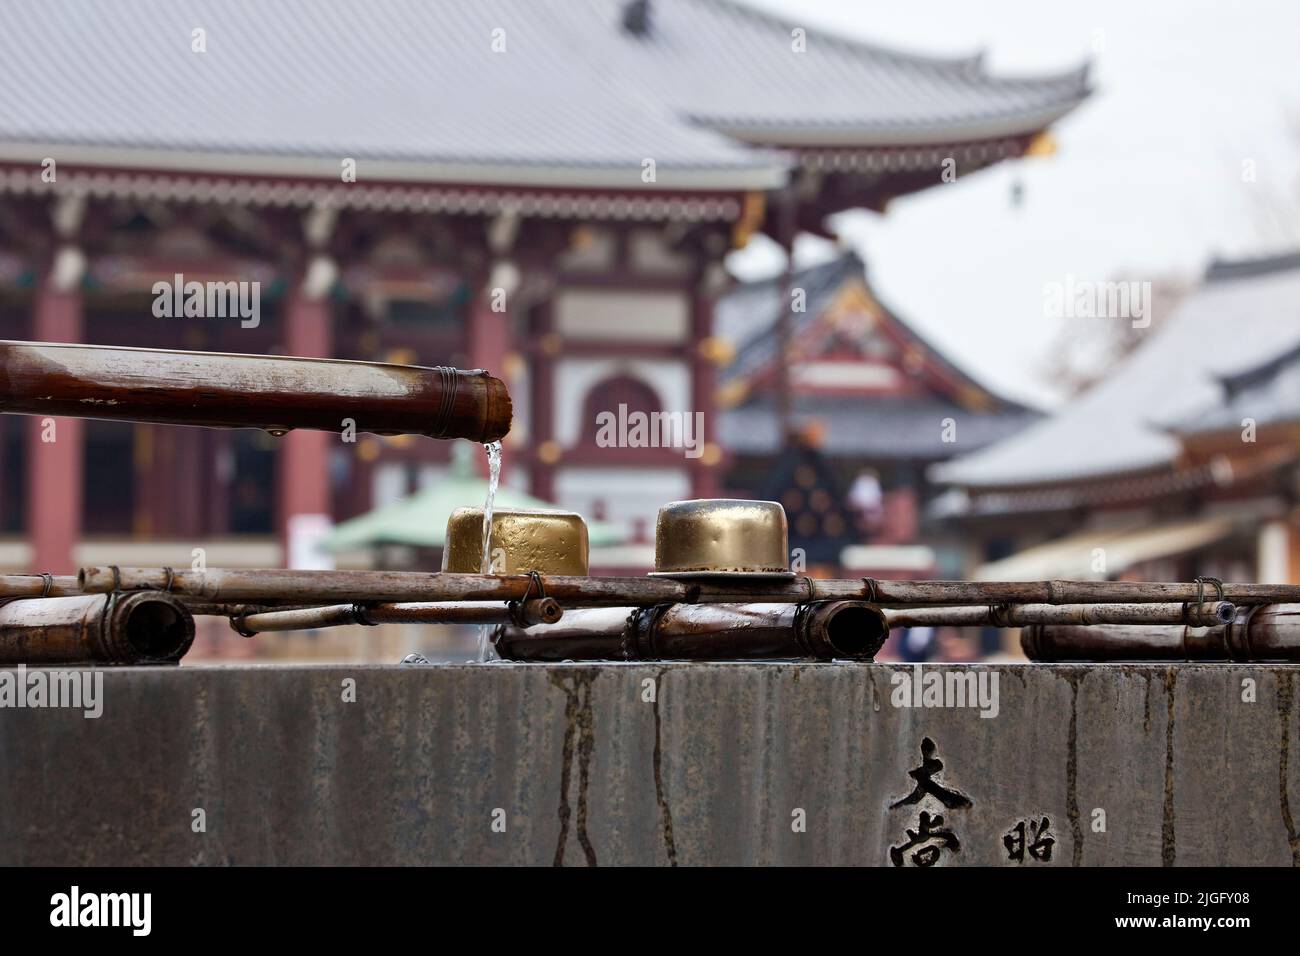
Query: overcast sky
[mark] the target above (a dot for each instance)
(1147, 182)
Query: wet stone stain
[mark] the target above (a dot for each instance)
(579, 739)
(1168, 850)
(1146, 706)
(200, 747)
(1072, 770)
(660, 797)
(1285, 700)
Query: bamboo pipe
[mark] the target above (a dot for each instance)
(584, 634)
(142, 628)
(849, 630)
(325, 587)
(38, 585)
(271, 392)
(200, 608)
(1209, 614)
(1264, 633)
(535, 611)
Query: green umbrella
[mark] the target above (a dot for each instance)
(420, 519)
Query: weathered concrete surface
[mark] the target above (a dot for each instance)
(713, 771)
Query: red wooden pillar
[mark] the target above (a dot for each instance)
(489, 339)
(542, 412)
(489, 332)
(1293, 549)
(152, 481)
(54, 467)
(172, 496)
(303, 468)
(705, 479)
(188, 456)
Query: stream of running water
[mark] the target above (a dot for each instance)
(485, 566)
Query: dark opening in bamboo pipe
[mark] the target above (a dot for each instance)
(270, 392)
(849, 630)
(141, 628)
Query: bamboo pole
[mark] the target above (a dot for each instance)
(1209, 614)
(536, 611)
(1264, 633)
(850, 630)
(38, 585)
(324, 587)
(201, 608)
(272, 392)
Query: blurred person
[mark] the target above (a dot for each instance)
(916, 645)
(954, 645)
(867, 500)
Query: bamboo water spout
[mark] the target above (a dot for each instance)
(271, 392)
(142, 628)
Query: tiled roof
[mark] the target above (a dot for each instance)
(1244, 315)
(412, 89)
(879, 427)
(746, 315)
(847, 91)
(882, 429)
(1267, 395)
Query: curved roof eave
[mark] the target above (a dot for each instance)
(813, 134)
(768, 171)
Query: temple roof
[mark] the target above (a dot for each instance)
(1267, 395)
(897, 419)
(413, 90)
(747, 314)
(1244, 315)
